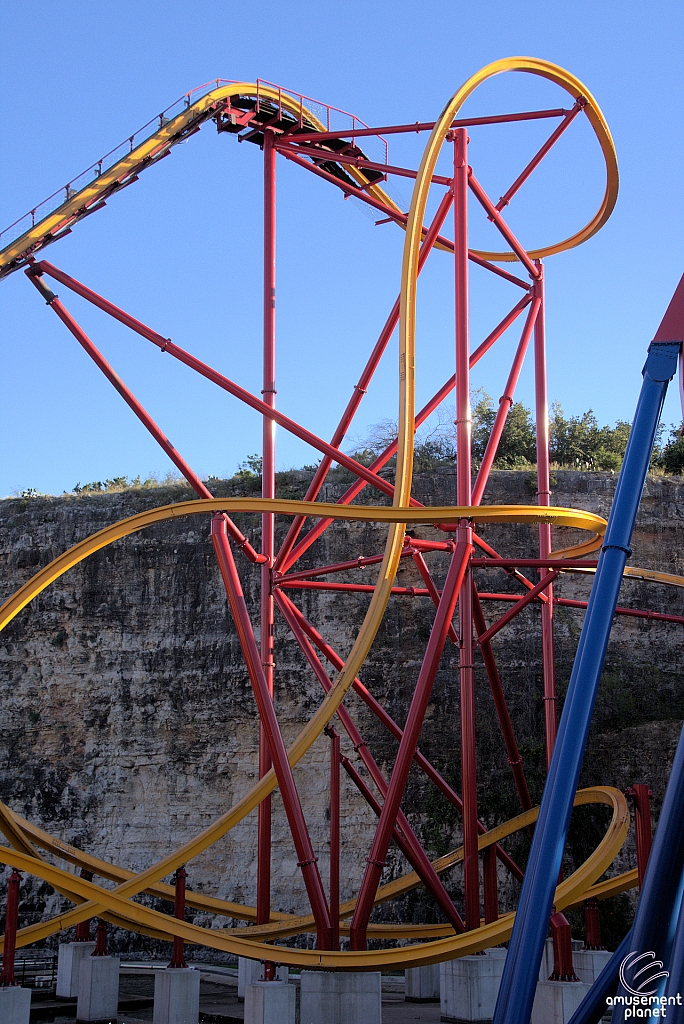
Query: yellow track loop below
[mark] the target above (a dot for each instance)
(138, 918)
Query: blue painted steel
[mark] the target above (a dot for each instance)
(516, 995)
(655, 921)
(593, 1006)
(675, 983)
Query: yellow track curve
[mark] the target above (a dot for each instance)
(123, 910)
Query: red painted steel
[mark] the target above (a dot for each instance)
(291, 612)
(432, 589)
(411, 846)
(544, 499)
(505, 405)
(545, 582)
(512, 752)
(540, 154)
(267, 644)
(498, 222)
(178, 957)
(334, 883)
(672, 325)
(407, 746)
(471, 872)
(490, 885)
(308, 150)
(293, 808)
(166, 345)
(641, 794)
(323, 155)
(592, 921)
(319, 528)
(100, 940)
(376, 807)
(427, 126)
(563, 969)
(283, 559)
(83, 927)
(7, 978)
(144, 417)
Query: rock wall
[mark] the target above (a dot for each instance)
(128, 721)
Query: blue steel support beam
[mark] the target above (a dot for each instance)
(518, 984)
(655, 921)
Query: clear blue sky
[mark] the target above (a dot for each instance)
(181, 248)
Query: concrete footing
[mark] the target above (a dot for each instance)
(421, 984)
(15, 1005)
(270, 1002)
(340, 998)
(469, 987)
(589, 963)
(98, 989)
(68, 965)
(176, 996)
(250, 971)
(556, 1001)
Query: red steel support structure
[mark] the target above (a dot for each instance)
(471, 870)
(447, 554)
(7, 978)
(267, 519)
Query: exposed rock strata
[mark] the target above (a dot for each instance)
(128, 722)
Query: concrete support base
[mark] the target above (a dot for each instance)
(68, 965)
(589, 963)
(98, 989)
(270, 1002)
(176, 996)
(334, 998)
(421, 984)
(469, 987)
(251, 971)
(556, 1001)
(15, 1005)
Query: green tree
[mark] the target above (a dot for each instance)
(517, 446)
(671, 458)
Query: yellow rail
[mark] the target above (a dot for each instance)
(113, 905)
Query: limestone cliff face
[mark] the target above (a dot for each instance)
(128, 721)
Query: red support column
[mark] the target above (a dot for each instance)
(490, 885)
(544, 498)
(471, 871)
(100, 940)
(563, 969)
(334, 836)
(267, 646)
(592, 921)
(293, 809)
(178, 958)
(514, 758)
(641, 795)
(83, 927)
(407, 747)
(7, 978)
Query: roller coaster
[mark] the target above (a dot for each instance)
(328, 143)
